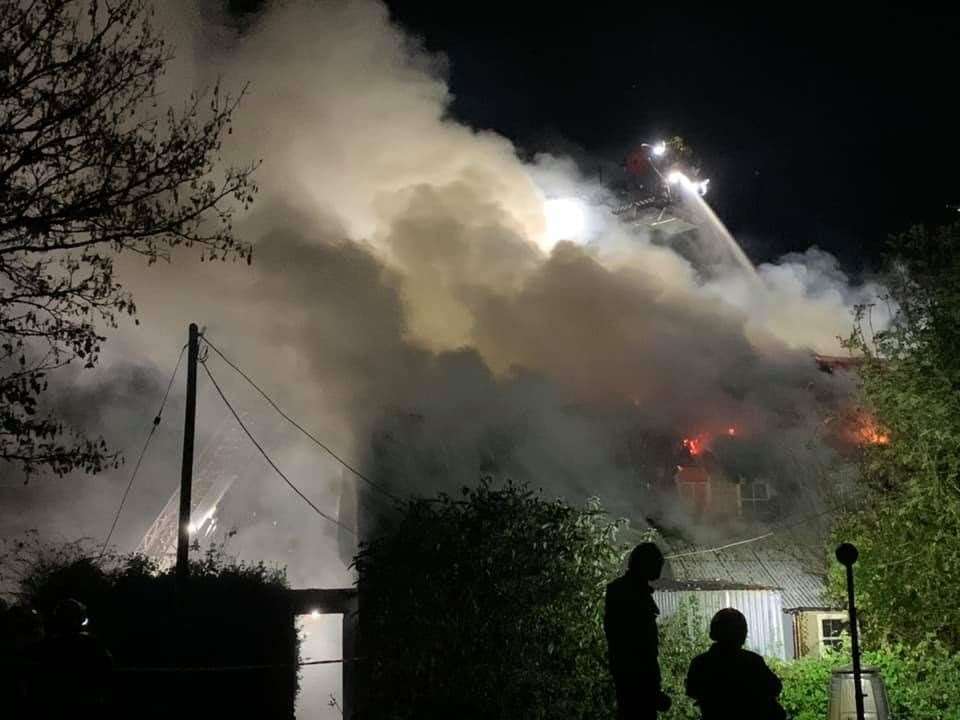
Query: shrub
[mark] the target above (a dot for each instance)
(682, 638)
(227, 614)
(489, 606)
(806, 685)
(923, 682)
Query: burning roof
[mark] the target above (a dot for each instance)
(831, 363)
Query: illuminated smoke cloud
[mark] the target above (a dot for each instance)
(432, 306)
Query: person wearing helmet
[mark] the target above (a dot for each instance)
(9, 657)
(630, 624)
(728, 681)
(77, 665)
(19, 648)
(25, 627)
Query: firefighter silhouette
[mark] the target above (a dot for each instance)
(77, 667)
(21, 629)
(630, 624)
(728, 681)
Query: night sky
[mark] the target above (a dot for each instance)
(815, 129)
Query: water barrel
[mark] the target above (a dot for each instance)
(842, 703)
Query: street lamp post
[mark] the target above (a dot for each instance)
(847, 555)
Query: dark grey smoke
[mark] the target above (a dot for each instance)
(401, 304)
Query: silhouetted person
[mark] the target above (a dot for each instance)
(22, 632)
(9, 685)
(728, 682)
(76, 665)
(630, 624)
(25, 628)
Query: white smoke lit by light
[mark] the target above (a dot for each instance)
(678, 178)
(397, 267)
(196, 525)
(429, 229)
(566, 220)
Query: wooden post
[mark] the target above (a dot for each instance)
(186, 469)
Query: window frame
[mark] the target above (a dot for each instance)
(833, 641)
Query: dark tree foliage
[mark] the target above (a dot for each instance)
(91, 165)
(908, 525)
(488, 606)
(229, 614)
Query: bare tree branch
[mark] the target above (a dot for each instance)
(89, 166)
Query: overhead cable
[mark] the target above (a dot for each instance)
(376, 486)
(266, 457)
(143, 451)
(803, 519)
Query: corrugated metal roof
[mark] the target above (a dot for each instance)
(773, 562)
(668, 585)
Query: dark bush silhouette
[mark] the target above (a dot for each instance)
(228, 614)
(487, 606)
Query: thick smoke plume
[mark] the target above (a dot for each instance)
(403, 304)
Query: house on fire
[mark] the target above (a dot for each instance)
(779, 585)
(710, 491)
(777, 579)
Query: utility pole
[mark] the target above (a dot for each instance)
(847, 554)
(186, 470)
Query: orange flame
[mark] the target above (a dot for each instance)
(870, 433)
(862, 428)
(703, 441)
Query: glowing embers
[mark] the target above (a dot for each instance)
(853, 429)
(694, 445)
(869, 432)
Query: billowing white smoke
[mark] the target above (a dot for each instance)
(404, 305)
(412, 302)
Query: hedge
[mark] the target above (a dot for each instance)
(228, 614)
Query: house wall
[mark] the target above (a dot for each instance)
(712, 493)
(789, 636)
(725, 497)
(762, 608)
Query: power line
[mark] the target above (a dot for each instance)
(143, 451)
(266, 457)
(233, 668)
(376, 486)
(803, 519)
(200, 668)
(719, 548)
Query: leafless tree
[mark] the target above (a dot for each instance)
(92, 165)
